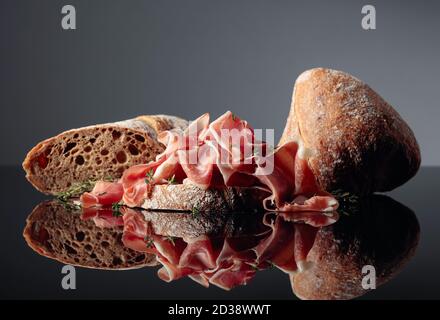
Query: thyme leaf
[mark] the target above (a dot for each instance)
(116, 209)
(195, 211)
(149, 176)
(348, 202)
(149, 242)
(76, 190)
(172, 180)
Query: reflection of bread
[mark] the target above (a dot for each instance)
(96, 152)
(189, 197)
(359, 142)
(385, 235)
(187, 225)
(56, 232)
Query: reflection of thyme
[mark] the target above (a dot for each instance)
(76, 190)
(195, 211)
(348, 202)
(69, 205)
(116, 209)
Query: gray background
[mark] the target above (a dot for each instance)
(190, 57)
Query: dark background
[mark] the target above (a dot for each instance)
(194, 56)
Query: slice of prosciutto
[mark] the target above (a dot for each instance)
(225, 262)
(219, 154)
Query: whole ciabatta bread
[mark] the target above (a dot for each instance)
(57, 232)
(359, 143)
(96, 152)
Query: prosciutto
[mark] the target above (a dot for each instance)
(219, 154)
(225, 262)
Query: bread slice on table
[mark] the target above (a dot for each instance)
(359, 143)
(57, 231)
(97, 152)
(383, 234)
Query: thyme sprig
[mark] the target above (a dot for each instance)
(76, 190)
(149, 176)
(149, 242)
(116, 209)
(68, 205)
(172, 180)
(195, 211)
(348, 202)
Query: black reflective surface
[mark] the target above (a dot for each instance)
(394, 232)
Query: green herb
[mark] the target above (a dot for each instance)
(234, 117)
(348, 202)
(69, 205)
(149, 176)
(172, 180)
(195, 211)
(116, 209)
(149, 242)
(254, 267)
(76, 190)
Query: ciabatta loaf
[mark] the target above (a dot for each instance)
(96, 152)
(359, 143)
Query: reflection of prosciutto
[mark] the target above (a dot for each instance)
(102, 217)
(224, 262)
(203, 157)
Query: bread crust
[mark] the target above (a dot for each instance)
(71, 240)
(191, 198)
(359, 142)
(96, 152)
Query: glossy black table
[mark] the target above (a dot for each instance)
(27, 275)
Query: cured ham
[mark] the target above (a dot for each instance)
(225, 262)
(221, 154)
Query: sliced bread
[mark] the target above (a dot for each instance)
(96, 152)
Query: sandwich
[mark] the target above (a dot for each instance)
(339, 135)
